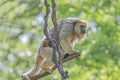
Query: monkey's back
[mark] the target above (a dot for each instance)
(66, 25)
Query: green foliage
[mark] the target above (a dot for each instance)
(21, 26)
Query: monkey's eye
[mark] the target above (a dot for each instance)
(83, 26)
(83, 29)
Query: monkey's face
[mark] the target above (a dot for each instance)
(81, 29)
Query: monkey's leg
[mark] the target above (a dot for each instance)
(47, 65)
(37, 66)
(47, 62)
(36, 69)
(66, 46)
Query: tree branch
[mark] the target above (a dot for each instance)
(54, 20)
(53, 42)
(58, 63)
(46, 20)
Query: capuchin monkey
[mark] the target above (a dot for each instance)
(70, 31)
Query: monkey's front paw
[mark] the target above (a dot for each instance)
(76, 51)
(25, 77)
(66, 55)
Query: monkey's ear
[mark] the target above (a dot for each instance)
(74, 24)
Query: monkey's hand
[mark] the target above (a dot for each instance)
(67, 54)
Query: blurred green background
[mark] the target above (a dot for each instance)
(21, 25)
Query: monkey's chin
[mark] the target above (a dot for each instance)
(82, 36)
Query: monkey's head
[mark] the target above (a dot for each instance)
(80, 28)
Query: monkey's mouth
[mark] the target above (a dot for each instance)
(83, 31)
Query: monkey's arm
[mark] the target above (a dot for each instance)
(66, 46)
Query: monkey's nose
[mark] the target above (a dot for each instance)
(83, 31)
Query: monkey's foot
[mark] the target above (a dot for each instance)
(25, 77)
(67, 54)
